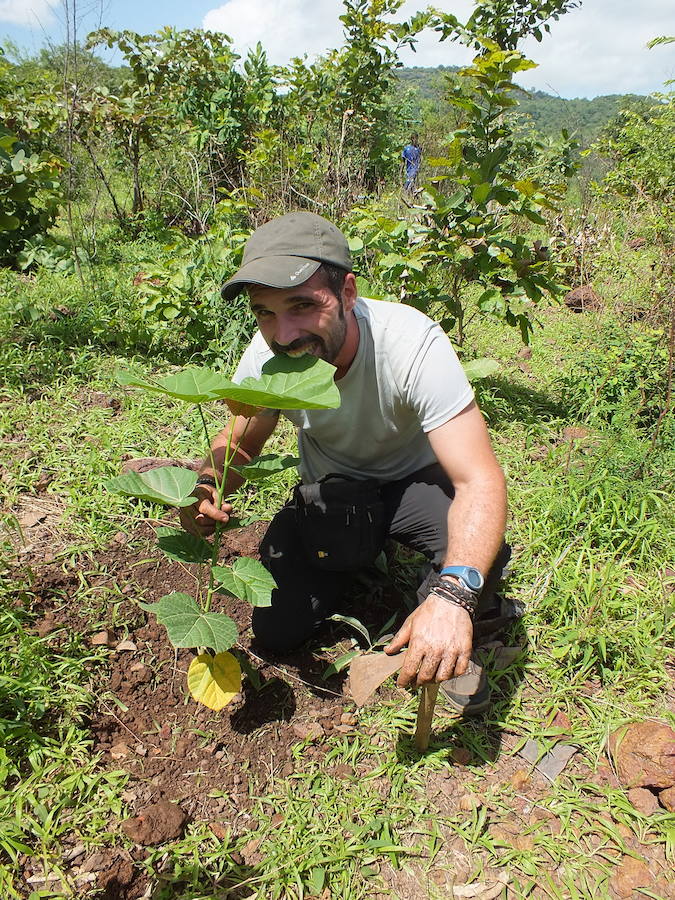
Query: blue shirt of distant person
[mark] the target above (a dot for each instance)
(412, 155)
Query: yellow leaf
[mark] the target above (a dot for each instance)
(214, 680)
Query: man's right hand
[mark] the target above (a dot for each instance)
(201, 518)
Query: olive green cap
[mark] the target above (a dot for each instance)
(287, 251)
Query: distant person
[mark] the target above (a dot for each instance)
(412, 156)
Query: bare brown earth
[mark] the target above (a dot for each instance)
(188, 764)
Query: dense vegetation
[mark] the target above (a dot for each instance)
(549, 114)
(126, 196)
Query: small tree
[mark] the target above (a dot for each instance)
(473, 216)
(305, 383)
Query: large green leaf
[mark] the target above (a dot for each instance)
(170, 485)
(263, 466)
(247, 579)
(189, 626)
(475, 369)
(285, 383)
(184, 547)
(194, 385)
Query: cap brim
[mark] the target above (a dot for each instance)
(273, 271)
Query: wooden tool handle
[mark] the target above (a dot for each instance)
(425, 714)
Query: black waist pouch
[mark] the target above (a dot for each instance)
(341, 522)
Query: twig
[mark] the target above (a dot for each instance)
(109, 712)
(286, 673)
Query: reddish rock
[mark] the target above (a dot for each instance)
(311, 731)
(637, 243)
(461, 756)
(583, 299)
(667, 799)
(156, 824)
(644, 754)
(644, 800)
(631, 874)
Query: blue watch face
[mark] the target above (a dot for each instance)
(473, 578)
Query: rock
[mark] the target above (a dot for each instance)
(31, 519)
(461, 756)
(637, 243)
(644, 754)
(562, 721)
(116, 876)
(631, 874)
(219, 830)
(94, 863)
(74, 853)
(101, 639)
(667, 799)
(157, 823)
(583, 299)
(310, 731)
(119, 751)
(126, 645)
(644, 800)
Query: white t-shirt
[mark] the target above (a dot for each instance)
(404, 381)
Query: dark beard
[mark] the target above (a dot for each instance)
(328, 349)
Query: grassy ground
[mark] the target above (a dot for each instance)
(593, 535)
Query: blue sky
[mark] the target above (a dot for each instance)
(597, 49)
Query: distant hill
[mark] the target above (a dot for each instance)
(549, 114)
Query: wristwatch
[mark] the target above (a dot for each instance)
(468, 577)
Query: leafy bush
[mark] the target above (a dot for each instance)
(625, 376)
(30, 194)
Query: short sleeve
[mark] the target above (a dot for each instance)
(437, 388)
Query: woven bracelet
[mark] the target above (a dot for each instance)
(453, 593)
(206, 479)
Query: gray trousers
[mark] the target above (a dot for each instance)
(416, 515)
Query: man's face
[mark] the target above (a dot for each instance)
(308, 318)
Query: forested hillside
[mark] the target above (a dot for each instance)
(549, 114)
(151, 748)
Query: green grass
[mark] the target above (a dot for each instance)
(593, 532)
(51, 787)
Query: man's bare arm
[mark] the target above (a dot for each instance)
(245, 438)
(439, 634)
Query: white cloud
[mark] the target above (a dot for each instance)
(28, 12)
(285, 28)
(597, 49)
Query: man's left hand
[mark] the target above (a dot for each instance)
(439, 636)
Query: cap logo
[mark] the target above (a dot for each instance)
(298, 271)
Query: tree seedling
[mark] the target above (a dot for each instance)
(214, 675)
